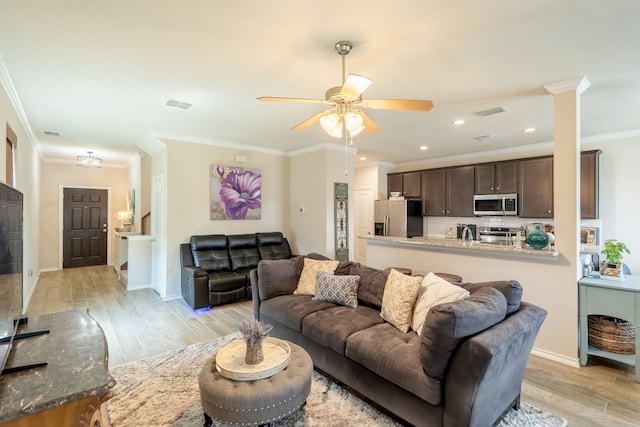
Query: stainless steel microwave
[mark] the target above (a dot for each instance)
(495, 204)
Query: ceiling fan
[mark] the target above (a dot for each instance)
(347, 102)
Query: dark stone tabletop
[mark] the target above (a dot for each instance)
(77, 356)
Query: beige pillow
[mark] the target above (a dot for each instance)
(307, 281)
(434, 290)
(399, 296)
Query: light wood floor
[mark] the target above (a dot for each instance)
(139, 324)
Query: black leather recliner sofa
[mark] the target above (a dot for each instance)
(215, 268)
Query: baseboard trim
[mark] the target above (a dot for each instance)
(574, 362)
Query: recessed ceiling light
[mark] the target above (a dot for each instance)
(424, 147)
(459, 122)
(363, 158)
(528, 130)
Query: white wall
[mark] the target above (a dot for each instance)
(187, 190)
(27, 169)
(311, 197)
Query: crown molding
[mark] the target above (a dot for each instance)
(218, 143)
(579, 84)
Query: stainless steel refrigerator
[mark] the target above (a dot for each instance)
(398, 218)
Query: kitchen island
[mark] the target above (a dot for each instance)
(472, 247)
(542, 273)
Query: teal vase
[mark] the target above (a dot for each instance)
(537, 238)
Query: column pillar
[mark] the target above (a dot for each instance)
(566, 168)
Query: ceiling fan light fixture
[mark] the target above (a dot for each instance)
(354, 123)
(332, 125)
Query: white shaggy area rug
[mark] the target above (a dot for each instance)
(162, 391)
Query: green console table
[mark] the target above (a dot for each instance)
(617, 298)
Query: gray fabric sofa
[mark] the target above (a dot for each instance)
(215, 267)
(465, 370)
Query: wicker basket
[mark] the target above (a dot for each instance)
(612, 334)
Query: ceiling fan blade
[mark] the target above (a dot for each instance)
(354, 86)
(398, 104)
(312, 120)
(279, 99)
(369, 126)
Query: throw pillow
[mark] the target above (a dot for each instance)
(399, 296)
(341, 290)
(307, 281)
(278, 277)
(434, 290)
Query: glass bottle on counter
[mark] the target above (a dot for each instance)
(449, 234)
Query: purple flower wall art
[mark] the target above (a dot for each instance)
(236, 193)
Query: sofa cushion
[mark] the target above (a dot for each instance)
(511, 289)
(447, 324)
(433, 290)
(341, 290)
(210, 252)
(372, 282)
(243, 251)
(307, 281)
(278, 277)
(400, 294)
(273, 246)
(394, 356)
(332, 327)
(289, 310)
(223, 281)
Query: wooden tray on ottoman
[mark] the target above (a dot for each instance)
(230, 360)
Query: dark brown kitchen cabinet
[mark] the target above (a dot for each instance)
(394, 183)
(536, 188)
(500, 177)
(411, 183)
(434, 192)
(589, 171)
(448, 192)
(407, 184)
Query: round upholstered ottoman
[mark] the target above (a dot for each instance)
(256, 402)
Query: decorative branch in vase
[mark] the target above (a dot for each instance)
(254, 331)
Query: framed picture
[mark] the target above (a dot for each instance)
(235, 193)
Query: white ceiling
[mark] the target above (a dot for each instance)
(100, 72)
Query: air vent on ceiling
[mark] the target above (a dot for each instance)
(490, 111)
(484, 137)
(50, 133)
(177, 104)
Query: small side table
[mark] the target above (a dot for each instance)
(258, 402)
(617, 298)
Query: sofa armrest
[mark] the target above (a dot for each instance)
(485, 375)
(195, 286)
(255, 293)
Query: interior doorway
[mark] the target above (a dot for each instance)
(85, 226)
(363, 222)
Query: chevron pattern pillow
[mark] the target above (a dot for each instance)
(341, 290)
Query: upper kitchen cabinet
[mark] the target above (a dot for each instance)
(434, 192)
(394, 183)
(500, 177)
(589, 170)
(407, 184)
(448, 192)
(536, 187)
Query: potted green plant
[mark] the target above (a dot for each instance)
(613, 253)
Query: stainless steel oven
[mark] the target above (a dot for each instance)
(495, 204)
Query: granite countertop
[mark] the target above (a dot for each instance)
(454, 244)
(77, 357)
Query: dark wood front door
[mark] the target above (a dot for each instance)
(85, 227)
